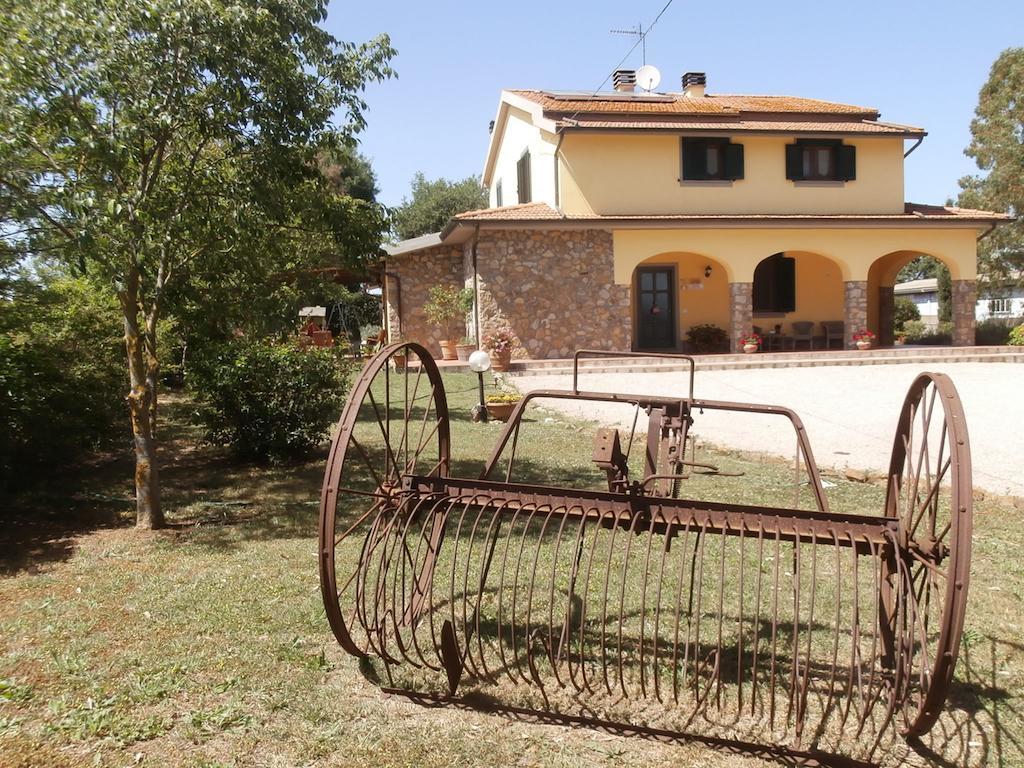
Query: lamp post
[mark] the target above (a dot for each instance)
(480, 362)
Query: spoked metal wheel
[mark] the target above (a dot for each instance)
(395, 423)
(925, 577)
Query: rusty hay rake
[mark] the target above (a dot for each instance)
(622, 600)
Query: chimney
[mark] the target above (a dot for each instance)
(694, 84)
(624, 80)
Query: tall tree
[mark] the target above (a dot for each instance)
(433, 203)
(349, 173)
(156, 144)
(997, 146)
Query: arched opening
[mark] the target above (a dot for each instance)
(884, 275)
(795, 293)
(672, 294)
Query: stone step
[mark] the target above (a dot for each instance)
(747, 362)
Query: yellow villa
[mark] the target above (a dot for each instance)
(620, 220)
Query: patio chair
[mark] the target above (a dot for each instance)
(834, 331)
(803, 330)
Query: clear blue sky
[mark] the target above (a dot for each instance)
(918, 62)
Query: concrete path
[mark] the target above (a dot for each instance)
(850, 412)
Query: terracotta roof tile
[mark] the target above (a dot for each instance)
(522, 212)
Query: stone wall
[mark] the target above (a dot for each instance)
(855, 309)
(555, 289)
(741, 314)
(965, 299)
(417, 273)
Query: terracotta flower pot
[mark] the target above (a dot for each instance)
(863, 345)
(448, 351)
(499, 411)
(464, 351)
(750, 348)
(399, 361)
(501, 361)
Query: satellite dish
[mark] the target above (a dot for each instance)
(648, 77)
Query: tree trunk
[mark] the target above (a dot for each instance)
(141, 406)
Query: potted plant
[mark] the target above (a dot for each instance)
(500, 405)
(465, 348)
(751, 343)
(441, 309)
(864, 339)
(500, 342)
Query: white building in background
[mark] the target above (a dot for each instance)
(925, 294)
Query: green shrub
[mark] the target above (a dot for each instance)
(1016, 337)
(269, 401)
(707, 338)
(62, 379)
(917, 333)
(993, 331)
(913, 330)
(904, 311)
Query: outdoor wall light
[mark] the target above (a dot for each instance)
(480, 363)
(707, 271)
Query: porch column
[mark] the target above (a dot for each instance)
(965, 300)
(741, 313)
(886, 315)
(855, 309)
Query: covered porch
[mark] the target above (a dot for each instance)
(810, 288)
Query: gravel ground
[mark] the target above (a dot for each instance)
(850, 412)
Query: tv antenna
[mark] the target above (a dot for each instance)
(638, 33)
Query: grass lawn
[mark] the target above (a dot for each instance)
(207, 645)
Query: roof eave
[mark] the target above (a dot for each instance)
(725, 128)
(509, 99)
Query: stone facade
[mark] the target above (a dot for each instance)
(855, 309)
(965, 299)
(886, 315)
(554, 288)
(741, 313)
(411, 276)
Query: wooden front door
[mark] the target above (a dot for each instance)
(656, 308)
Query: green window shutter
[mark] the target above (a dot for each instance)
(695, 157)
(786, 276)
(794, 162)
(523, 179)
(734, 161)
(846, 162)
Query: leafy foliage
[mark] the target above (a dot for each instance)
(444, 304)
(993, 331)
(61, 374)
(997, 146)
(919, 268)
(169, 149)
(1016, 337)
(433, 203)
(269, 401)
(904, 311)
(917, 332)
(707, 337)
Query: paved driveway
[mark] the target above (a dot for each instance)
(850, 411)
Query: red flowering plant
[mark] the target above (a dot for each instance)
(500, 340)
(752, 339)
(864, 335)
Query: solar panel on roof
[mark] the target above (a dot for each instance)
(607, 96)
